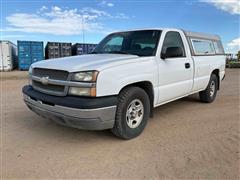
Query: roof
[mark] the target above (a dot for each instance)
(202, 35)
(7, 41)
(187, 33)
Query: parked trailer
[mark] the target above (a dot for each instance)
(82, 48)
(29, 52)
(8, 56)
(57, 50)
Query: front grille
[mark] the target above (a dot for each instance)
(49, 87)
(51, 73)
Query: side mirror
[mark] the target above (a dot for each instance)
(172, 52)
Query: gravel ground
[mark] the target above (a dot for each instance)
(185, 139)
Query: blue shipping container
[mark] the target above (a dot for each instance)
(28, 53)
(37, 51)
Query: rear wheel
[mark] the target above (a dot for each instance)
(209, 94)
(132, 113)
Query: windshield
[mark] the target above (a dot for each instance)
(141, 43)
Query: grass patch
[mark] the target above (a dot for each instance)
(233, 64)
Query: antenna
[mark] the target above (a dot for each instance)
(83, 39)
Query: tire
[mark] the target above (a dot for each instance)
(209, 94)
(129, 99)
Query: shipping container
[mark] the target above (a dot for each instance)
(57, 50)
(66, 49)
(37, 51)
(29, 52)
(52, 50)
(82, 48)
(8, 56)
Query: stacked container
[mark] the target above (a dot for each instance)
(80, 48)
(29, 52)
(57, 50)
(8, 56)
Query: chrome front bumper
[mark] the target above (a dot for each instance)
(90, 119)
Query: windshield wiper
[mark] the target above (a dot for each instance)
(95, 52)
(112, 52)
(121, 52)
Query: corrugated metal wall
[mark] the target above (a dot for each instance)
(28, 53)
(57, 50)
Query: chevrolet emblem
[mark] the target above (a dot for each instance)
(44, 80)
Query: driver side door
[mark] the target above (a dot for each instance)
(175, 73)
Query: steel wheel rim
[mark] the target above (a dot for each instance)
(135, 113)
(212, 88)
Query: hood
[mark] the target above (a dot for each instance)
(86, 62)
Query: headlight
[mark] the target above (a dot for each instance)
(88, 76)
(79, 91)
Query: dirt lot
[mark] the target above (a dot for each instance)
(185, 139)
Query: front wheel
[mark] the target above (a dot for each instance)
(132, 114)
(209, 94)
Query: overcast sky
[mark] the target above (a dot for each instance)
(65, 21)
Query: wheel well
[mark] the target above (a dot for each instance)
(148, 88)
(216, 72)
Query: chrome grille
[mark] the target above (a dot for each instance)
(53, 89)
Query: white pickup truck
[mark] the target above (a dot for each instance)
(127, 75)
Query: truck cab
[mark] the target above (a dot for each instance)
(125, 77)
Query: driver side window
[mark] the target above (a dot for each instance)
(173, 39)
(115, 44)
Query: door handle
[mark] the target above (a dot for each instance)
(187, 65)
